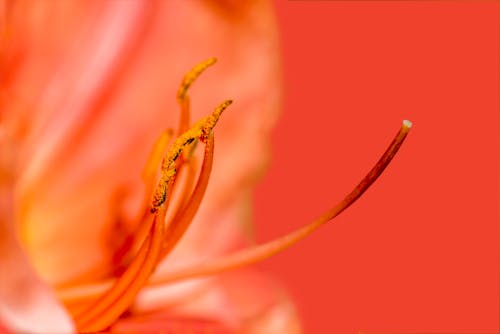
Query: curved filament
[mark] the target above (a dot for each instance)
(118, 298)
(182, 94)
(103, 314)
(184, 217)
(264, 251)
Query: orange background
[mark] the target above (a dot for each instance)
(419, 252)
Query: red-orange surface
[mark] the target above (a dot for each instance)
(419, 252)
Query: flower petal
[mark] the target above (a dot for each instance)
(245, 301)
(26, 303)
(71, 196)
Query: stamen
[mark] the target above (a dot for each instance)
(107, 313)
(125, 253)
(184, 217)
(264, 251)
(73, 298)
(200, 130)
(154, 159)
(160, 146)
(191, 169)
(191, 76)
(122, 254)
(111, 304)
(183, 98)
(149, 177)
(118, 298)
(118, 287)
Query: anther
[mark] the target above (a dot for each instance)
(191, 76)
(200, 130)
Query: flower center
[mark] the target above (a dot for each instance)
(97, 306)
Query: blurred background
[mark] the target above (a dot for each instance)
(419, 252)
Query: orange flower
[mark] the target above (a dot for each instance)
(89, 245)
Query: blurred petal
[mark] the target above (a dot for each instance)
(163, 322)
(72, 57)
(26, 303)
(125, 100)
(95, 84)
(244, 300)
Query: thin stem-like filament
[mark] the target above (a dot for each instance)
(129, 279)
(183, 218)
(104, 314)
(264, 251)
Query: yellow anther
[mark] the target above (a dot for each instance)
(191, 76)
(199, 131)
(208, 123)
(156, 155)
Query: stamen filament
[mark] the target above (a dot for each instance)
(105, 313)
(155, 157)
(118, 287)
(191, 76)
(184, 217)
(183, 98)
(121, 255)
(174, 231)
(130, 281)
(191, 169)
(111, 304)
